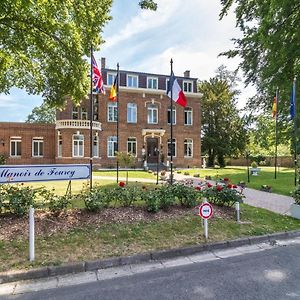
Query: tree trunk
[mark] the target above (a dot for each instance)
(211, 158)
(221, 160)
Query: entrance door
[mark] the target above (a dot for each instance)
(152, 145)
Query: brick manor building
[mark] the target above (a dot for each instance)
(144, 126)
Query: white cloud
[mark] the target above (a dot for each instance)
(9, 101)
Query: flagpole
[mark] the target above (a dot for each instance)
(295, 130)
(171, 119)
(91, 121)
(276, 131)
(117, 96)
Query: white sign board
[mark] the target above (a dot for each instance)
(29, 173)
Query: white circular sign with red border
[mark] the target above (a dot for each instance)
(205, 210)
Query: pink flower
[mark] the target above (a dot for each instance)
(209, 185)
(121, 184)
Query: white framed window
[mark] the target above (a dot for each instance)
(112, 146)
(112, 112)
(152, 114)
(84, 114)
(111, 78)
(173, 116)
(172, 147)
(15, 147)
(37, 147)
(78, 145)
(188, 116)
(131, 113)
(59, 145)
(75, 113)
(188, 148)
(131, 145)
(132, 81)
(187, 86)
(152, 83)
(96, 146)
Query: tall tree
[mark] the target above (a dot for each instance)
(42, 114)
(269, 47)
(223, 130)
(43, 45)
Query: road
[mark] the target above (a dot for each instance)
(270, 274)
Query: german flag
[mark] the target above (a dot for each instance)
(113, 90)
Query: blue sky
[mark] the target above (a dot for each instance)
(188, 31)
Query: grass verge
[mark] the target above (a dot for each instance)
(117, 239)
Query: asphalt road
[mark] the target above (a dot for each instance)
(271, 274)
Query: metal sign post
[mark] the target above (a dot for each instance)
(31, 233)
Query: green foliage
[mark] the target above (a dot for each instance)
(222, 195)
(296, 195)
(186, 173)
(96, 199)
(151, 198)
(55, 203)
(224, 132)
(128, 195)
(254, 165)
(268, 47)
(2, 159)
(166, 196)
(186, 195)
(148, 4)
(42, 114)
(196, 175)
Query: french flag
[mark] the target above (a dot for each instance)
(174, 89)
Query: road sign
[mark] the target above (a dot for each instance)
(205, 210)
(29, 173)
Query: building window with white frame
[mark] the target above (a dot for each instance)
(152, 114)
(173, 116)
(131, 145)
(84, 115)
(37, 147)
(111, 78)
(112, 112)
(78, 145)
(112, 146)
(131, 113)
(188, 86)
(188, 148)
(188, 116)
(152, 83)
(96, 146)
(132, 81)
(172, 147)
(15, 147)
(59, 144)
(75, 113)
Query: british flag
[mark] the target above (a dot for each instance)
(98, 86)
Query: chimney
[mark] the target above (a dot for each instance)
(102, 62)
(187, 73)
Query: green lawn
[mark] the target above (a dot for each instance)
(131, 174)
(107, 240)
(284, 183)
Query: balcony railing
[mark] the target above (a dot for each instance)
(78, 124)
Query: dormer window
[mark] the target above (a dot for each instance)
(188, 86)
(111, 78)
(132, 81)
(152, 83)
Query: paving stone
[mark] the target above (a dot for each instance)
(202, 257)
(227, 253)
(75, 279)
(141, 268)
(103, 274)
(175, 262)
(35, 285)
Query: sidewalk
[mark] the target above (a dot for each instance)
(274, 202)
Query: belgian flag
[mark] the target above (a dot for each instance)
(113, 90)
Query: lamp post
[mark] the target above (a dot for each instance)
(157, 164)
(248, 171)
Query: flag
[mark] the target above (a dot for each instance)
(98, 85)
(113, 90)
(292, 100)
(274, 107)
(177, 94)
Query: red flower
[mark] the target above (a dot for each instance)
(121, 184)
(219, 188)
(226, 179)
(198, 188)
(209, 185)
(230, 186)
(234, 186)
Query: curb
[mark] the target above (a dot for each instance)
(79, 267)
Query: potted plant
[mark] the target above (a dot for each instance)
(254, 169)
(295, 207)
(266, 188)
(163, 175)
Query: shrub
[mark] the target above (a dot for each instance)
(197, 175)
(166, 196)
(151, 198)
(54, 202)
(222, 195)
(254, 165)
(186, 173)
(96, 199)
(296, 195)
(178, 172)
(187, 196)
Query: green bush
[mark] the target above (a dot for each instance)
(166, 196)
(151, 199)
(197, 175)
(222, 195)
(187, 196)
(128, 195)
(254, 165)
(296, 195)
(186, 173)
(96, 199)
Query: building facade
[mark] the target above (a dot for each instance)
(144, 127)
